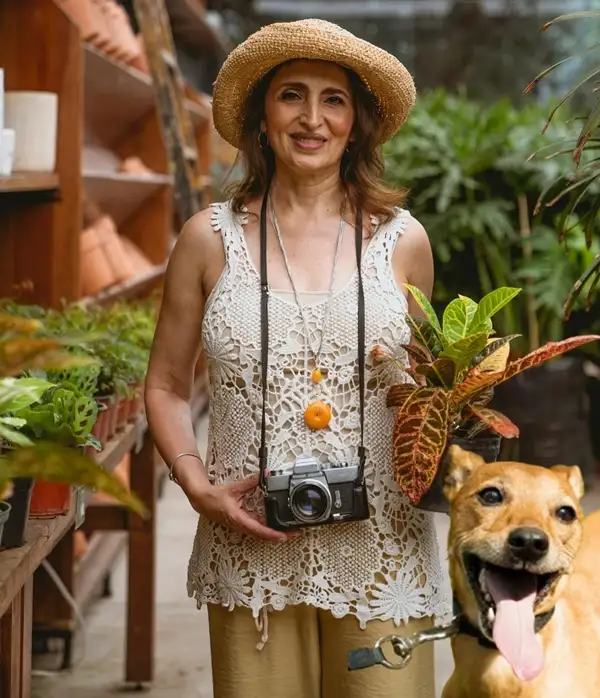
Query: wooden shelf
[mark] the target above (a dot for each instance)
(120, 195)
(116, 96)
(127, 289)
(29, 181)
(121, 444)
(17, 565)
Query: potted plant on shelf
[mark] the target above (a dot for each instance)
(23, 348)
(456, 364)
(17, 394)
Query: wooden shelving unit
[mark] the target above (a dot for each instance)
(107, 114)
(29, 181)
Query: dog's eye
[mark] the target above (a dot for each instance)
(490, 496)
(566, 514)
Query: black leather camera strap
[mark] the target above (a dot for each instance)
(264, 338)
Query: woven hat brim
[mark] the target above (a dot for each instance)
(383, 74)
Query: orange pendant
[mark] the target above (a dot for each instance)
(317, 415)
(316, 375)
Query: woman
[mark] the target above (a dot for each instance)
(308, 105)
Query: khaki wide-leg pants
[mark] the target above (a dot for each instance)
(306, 657)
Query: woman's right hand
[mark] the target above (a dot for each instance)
(224, 504)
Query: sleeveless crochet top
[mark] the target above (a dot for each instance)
(386, 567)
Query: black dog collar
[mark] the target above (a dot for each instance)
(465, 627)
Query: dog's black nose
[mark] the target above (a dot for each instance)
(528, 544)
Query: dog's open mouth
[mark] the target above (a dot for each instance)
(507, 600)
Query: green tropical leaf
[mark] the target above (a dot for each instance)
(426, 307)
(18, 393)
(419, 354)
(55, 463)
(440, 373)
(465, 350)
(12, 436)
(424, 334)
(13, 422)
(489, 305)
(457, 317)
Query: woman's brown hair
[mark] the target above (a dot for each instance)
(362, 165)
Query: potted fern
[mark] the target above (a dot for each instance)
(455, 365)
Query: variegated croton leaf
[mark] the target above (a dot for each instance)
(494, 420)
(477, 381)
(419, 439)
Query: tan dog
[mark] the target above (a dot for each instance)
(525, 575)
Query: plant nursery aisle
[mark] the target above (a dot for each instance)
(182, 648)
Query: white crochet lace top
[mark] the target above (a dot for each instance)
(386, 567)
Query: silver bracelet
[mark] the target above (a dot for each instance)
(177, 457)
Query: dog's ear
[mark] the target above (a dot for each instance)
(572, 475)
(461, 464)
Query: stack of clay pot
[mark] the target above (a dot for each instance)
(105, 24)
(107, 258)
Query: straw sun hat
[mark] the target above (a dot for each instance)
(383, 74)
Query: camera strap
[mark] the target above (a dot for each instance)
(264, 340)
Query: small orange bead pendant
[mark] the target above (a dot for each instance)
(316, 375)
(317, 415)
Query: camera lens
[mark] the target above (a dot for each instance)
(310, 503)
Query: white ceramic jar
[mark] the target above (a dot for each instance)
(34, 118)
(7, 151)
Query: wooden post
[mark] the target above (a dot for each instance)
(141, 593)
(15, 646)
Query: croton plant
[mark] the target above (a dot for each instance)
(455, 365)
(39, 447)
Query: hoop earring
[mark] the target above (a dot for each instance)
(262, 143)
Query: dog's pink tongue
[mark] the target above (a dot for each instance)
(514, 626)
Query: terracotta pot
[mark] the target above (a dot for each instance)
(102, 40)
(96, 272)
(118, 259)
(50, 499)
(134, 165)
(100, 428)
(140, 263)
(122, 413)
(114, 23)
(110, 416)
(86, 15)
(127, 38)
(140, 61)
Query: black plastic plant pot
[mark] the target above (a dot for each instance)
(487, 446)
(4, 516)
(14, 529)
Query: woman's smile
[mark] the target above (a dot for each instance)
(308, 142)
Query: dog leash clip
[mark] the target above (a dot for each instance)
(402, 646)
